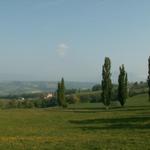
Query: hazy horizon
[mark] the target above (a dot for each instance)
(45, 40)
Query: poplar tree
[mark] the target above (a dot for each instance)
(148, 78)
(58, 94)
(62, 95)
(122, 86)
(106, 83)
(126, 86)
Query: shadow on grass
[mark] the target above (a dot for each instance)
(114, 109)
(114, 123)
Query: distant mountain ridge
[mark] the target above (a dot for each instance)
(21, 87)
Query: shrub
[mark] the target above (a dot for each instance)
(91, 97)
(72, 99)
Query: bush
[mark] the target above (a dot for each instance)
(11, 104)
(64, 105)
(96, 87)
(134, 92)
(91, 97)
(39, 103)
(72, 99)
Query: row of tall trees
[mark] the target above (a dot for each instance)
(107, 84)
(61, 93)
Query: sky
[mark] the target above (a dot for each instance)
(45, 40)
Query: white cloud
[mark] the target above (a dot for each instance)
(62, 49)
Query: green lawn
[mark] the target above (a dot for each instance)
(80, 127)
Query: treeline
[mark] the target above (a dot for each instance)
(94, 96)
(25, 96)
(36, 103)
(72, 96)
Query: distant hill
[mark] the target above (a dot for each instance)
(20, 87)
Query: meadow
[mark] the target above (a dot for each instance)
(79, 127)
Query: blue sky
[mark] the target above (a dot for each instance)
(48, 39)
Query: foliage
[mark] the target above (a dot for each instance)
(70, 91)
(106, 82)
(91, 97)
(61, 94)
(96, 87)
(72, 99)
(137, 88)
(35, 103)
(122, 86)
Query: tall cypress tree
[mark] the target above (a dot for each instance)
(61, 94)
(148, 78)
(106, 83)
(58, 94)
(122, 86)
(126, 86)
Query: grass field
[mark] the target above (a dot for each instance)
(80, 127)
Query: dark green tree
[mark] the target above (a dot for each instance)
(148, 78)
(62, 95)
(59, 94)
(106, 83)
(122, 86)
(126, 86)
